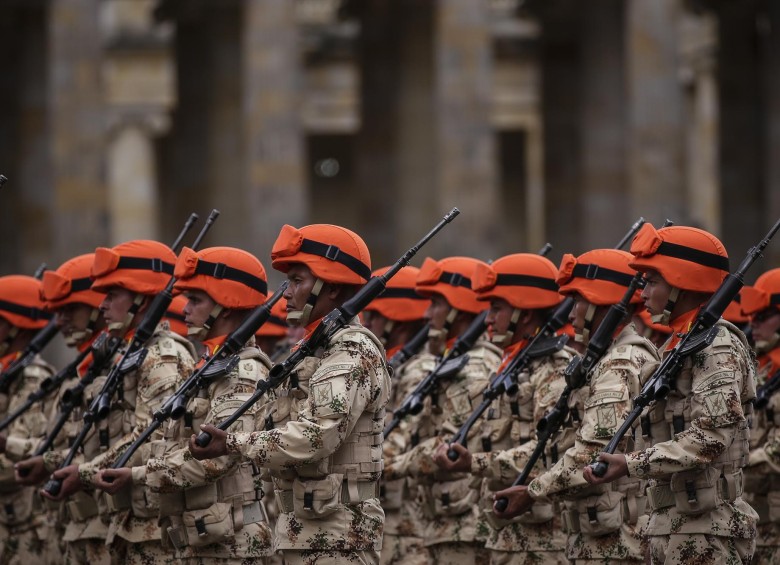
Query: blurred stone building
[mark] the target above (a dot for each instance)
(542, 120)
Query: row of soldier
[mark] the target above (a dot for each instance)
(297, 477)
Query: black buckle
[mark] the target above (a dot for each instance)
(456, 279)
(575, 414)
(269, 423)
(593, 515)
(332, 252)
(645, 420)
(690, 490)
(103, 438)
(445, 499)
(219, 270)
(678, 423)
(514, 406)
(157, 264)
(487, 444)
(591, 271)
(200, 526)
(554, 453)
(308, 500)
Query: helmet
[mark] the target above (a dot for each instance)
(601, 276)
(232, 277)
(140, 266)
(175, 315)
(21, 303)
(734, 313)
(332, 253)
(524, 280)
(276, 325)
(399, 301)
(451, 278)
(647, 320)
(762, 295)
(70, 284)
(687, 258)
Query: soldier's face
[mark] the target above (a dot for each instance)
(199, 306)
(374, 322)
(116, 304)
(765, 324)
(499, 315)
(577, 314)
(436, 314)
(72, 318)
(301, 282)
(656, 292)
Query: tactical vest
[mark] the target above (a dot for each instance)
(698, 491)
(213, 514)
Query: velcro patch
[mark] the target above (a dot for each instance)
(716, 404)
(323, 394)
(621, 352)
(606, 416)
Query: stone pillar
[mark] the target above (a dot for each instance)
(75, 108)
(465, 142)
(772, 119)
(273, 141)
(656, 136)
(604, 208)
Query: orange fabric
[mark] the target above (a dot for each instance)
(392, 351)
(81, 370)
(400, 302)
(347, 262)
(510, 352)
(307, 333)
(680, 327)
(659, 250)
(601, 276)
(524, 280)
(568, 330)
(763, 294)
(210, 347)
(232, 277)
(108, 269)
(175, 315)
(734, 312)
(772, 359)
(276, 326)
(7, 359)
(70, 284)
(647, 320)
(451, 278)
(21, 303)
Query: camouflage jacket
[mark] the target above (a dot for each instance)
(191, 489)
(322, 442)
(699, 442)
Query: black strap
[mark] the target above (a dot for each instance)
(27, 311)
(155, 264)
(694, 255)
(77, 285)
(455, 279)
(774, 299)
(277, 321)
(526, 280)
(222, 271)
(401, 293)
(595, 272)
(333, 253)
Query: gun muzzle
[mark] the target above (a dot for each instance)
(103, 406)
(179, 407)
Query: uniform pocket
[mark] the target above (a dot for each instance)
(695, 492)
(210, 525)
(600, 515)
(314, 499)
(453, 498)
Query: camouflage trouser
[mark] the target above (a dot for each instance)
(225, 561)
(459, 553)
(92, 551)
(406, 550)
(28, 547)
(329, 557)
(699, 549)
(145, 553)
(528, 557)
(766, 555)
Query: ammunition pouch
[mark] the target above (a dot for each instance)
(81, 507)
(17, 508)
(450, 498)
(696, 492)
(314, 499)
(597, 515)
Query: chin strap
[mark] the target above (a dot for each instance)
(583, 336)
(301, 317)
(121, 327)
(199, 332)
(441, 335)
(504, 340)
(81, 336)
(665, 317)
(768, 345)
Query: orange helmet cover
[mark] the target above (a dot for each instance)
(524, 280)
(140, 266)
(601, 276)
(276, 325)
(451, 278)
(21, 303)
(70, 284)
(400, 301)
(762, 295)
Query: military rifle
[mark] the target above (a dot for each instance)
(335, 321)
(766, 390)
(702, 333)
(132, 358)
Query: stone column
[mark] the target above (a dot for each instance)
(274, 174)
(656, 136)
(465, 141)
(772, 119)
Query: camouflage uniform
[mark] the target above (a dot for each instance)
(404, 521)
(222, 494)
(455, 529)
(133, 516)
(535, 537)
(762, 476)
(699, 444)
(25, 530)
(323, 447)
(603, 522)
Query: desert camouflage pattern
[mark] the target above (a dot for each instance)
(321, 440)
(698, 438)
(192, 489)
(602, 522)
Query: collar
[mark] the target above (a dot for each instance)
(680, 326)
(393, 350)
(510, 353)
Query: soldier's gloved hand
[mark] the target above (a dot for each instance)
(114, 480)
(617, 468)
(519, 501)
(71, 482)
(216, 447)
(30, 471)
(461, 464)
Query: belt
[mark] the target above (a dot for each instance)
(365, 491)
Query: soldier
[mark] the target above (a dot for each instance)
(273, 337)
(395, 317)
(762, 476)
(222, 285)
(455, 530)
(698, 435)
(76, 309)
(522, 292)
(323, 436)
(603, 523)
(24, 529)
(130, 274)
(656, 333)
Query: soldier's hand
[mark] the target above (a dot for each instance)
(114, 480)
(216, 447)
(462, 463)
(30, 471)
(71, 482)
(617, 468)
(518, 499)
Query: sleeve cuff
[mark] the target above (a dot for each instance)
(139, 475)
(634, 466)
